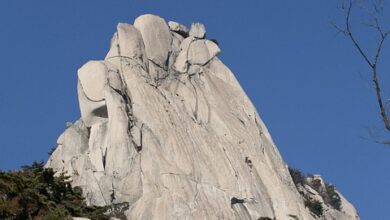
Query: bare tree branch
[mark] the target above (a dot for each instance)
(372, 63)
(351, 36)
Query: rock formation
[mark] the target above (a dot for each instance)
(166, 127)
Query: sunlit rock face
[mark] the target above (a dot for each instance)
(166, 127)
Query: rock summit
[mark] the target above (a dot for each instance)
(166, 127)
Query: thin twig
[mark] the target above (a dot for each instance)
(351, 36)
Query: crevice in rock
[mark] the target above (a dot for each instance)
(167, 60)
(112, 195)
(196, 98)
(172, 56)
(239, 119)
(258, 127)
(209, 61)
(196, 193)
(88, 133)
(231, 165)
(131, 118)
(184, 34)
(240, 210)
(248, 162)
(147, 128)
(116, 90)
(235, 200)
(293, 216)
(126, 96)
(139, 147)
(145, 77)
(266, 218)
(158, 65)
(161, 77)
(104, 158)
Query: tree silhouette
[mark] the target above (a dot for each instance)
(374, 10)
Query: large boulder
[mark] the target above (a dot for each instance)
(93, 78)
(156, 36)
(127, 43)
(181, 63)
(201, 52)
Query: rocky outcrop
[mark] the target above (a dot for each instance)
(166, 128)
(334, 205)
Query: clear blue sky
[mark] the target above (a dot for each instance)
(310, 87)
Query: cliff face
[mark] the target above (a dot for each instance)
(166, 127)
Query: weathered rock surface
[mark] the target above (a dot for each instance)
(156, 36)
(315, 189)
(127, 42)
(198, 30)
(166, 127)
(93, 78)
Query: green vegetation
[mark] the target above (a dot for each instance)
(329, 193)
(331, 197)
(297, 176)
(315, 207)
(33, 192)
